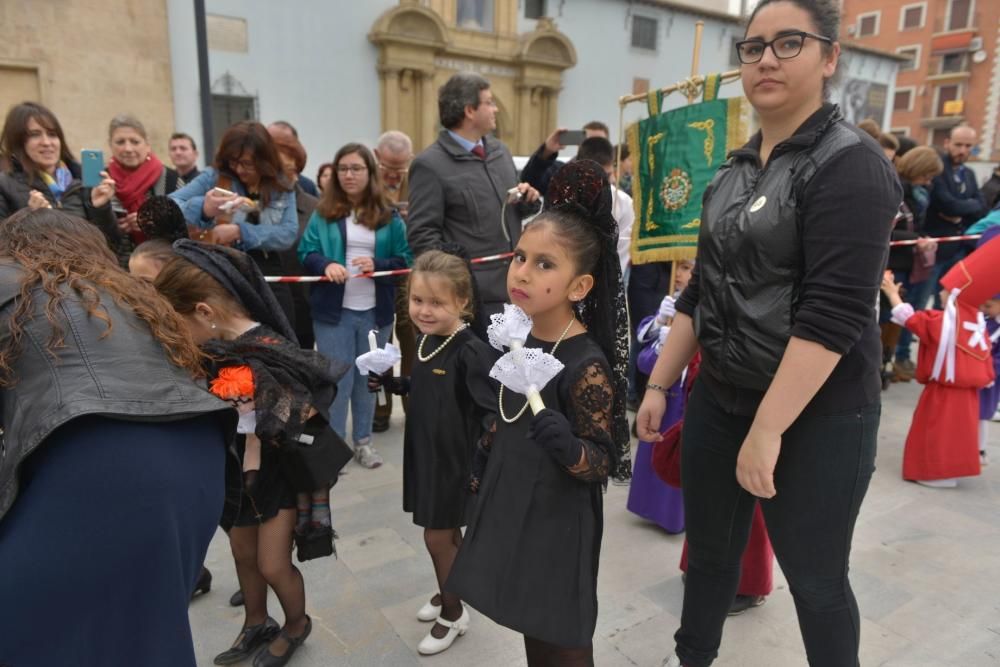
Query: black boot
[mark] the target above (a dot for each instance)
(204, 584)
(251, 638)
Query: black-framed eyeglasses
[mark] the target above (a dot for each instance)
(784, 46)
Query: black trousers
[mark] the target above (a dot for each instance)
(821, 477)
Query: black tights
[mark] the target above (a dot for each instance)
(442, 545)
(543, 654)
(263, 556)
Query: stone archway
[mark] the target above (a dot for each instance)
(419, 51)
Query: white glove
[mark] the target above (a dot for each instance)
(667, 310)
(664, 332)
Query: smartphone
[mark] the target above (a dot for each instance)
(224, 192)
(572, 137)
(93, 164)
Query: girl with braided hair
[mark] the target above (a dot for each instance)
(529, 558)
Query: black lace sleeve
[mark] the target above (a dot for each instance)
(590, 402)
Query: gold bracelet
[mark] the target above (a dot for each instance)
(656, 387)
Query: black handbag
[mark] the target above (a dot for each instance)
(315, 460)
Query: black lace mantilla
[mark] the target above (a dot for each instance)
(288, 381)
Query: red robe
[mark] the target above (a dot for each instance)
(757, 565)
(943, 441)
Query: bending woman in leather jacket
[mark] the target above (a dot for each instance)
(112, 458)
(794, 235)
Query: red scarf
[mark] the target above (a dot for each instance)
(132, 185)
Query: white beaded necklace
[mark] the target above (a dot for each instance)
(420, 348)
(525, 406)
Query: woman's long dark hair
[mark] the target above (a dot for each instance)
(578, 205)
(375, 210)
(58, 250)
(15, 136)
(248, 135)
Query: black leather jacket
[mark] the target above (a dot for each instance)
(125, 375)
(795, 248)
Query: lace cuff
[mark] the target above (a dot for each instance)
(901, 313)
(591, 398)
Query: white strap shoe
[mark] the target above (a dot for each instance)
(429, 612)
(431, 645)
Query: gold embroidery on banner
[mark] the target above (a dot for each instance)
(439, 371)
(708, 127)
(675, 193)
(650, 226)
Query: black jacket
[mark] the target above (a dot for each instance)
(955, 195)
(16, 187)
(124, 374)
(539, 170)
(795, 248)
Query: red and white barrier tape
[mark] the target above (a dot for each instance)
(507, 255)
(374, 274)
(940, 239)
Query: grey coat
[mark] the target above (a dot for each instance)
(458, 198)
(123, 374)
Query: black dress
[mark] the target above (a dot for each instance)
(529, 558)
(453, 403)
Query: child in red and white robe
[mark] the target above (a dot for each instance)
(953, 363)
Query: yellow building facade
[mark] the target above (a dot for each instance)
(88, 61)
(421, 45)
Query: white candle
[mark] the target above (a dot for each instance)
(372, 341)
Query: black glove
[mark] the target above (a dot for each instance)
(393, 385)
(552, 432)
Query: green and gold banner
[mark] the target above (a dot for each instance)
(675, 155)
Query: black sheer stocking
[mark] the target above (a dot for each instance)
(264, 558)
(544, 654)
(442, 545)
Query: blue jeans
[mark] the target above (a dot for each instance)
(345, 342)
(916, 295)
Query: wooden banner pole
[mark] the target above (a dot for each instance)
(699, 28)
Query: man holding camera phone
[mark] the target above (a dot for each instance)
(544, 162)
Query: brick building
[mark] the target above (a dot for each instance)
(953, 72)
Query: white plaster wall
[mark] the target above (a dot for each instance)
(601, 31)
(309, 62)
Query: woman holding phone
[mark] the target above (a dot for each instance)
(37, 170)
(247, 201)
(138, 175)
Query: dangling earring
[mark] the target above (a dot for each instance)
(212, 324)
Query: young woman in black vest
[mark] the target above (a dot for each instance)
(785, 412)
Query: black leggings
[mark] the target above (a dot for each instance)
(544, 654)
(823, 471)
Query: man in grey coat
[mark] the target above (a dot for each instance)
(459, 186)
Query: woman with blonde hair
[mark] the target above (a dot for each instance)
(911, 265)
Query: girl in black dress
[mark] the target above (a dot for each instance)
(529, 558)
(222, 295)
(450, 381)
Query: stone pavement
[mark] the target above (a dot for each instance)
(926, 571)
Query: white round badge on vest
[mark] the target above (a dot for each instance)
(759, 204)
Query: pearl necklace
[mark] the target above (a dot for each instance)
(420, 348)
(525, 406)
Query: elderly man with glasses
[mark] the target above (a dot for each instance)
(394, 151)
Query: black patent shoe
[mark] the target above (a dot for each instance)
(236, 599)
(204, 584)
(251, 638)
(267, 659)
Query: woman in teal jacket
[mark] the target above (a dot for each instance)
(354, 230)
